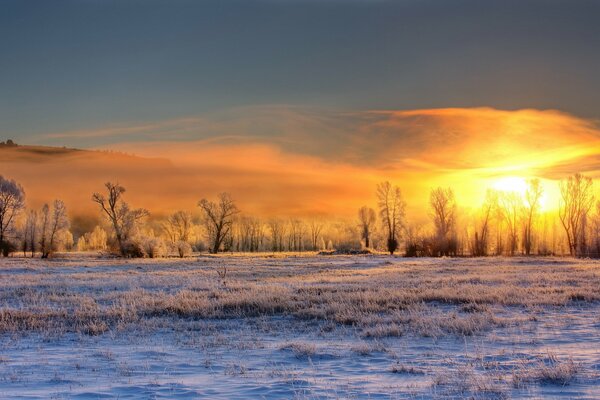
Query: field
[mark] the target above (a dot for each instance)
(307, 326)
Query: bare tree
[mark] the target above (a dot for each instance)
(596, 231)
(218, 218)
(53, 221)
(251, 234)
(12, 201)
(576, 201)
(45, 221)
(178, 226)
(122, 218)
(178, 229)
(366, 220)
(443, 206)
(31, 230)
(391, 210)
(296, 233)
(316, 227)
(533, 196)
(277, 229)
(480, 243)
(510, 207)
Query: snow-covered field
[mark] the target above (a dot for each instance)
(299, 327)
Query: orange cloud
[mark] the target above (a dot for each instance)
(289, 161)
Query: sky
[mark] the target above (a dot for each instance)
(320, 99)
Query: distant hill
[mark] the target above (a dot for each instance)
(72, 175)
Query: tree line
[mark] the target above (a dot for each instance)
(506, 223)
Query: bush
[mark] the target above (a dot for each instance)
(154, 247)
(182, 248)
(348, 246)
(6, 248)
(132, 249)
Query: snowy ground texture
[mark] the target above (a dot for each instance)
(300, 327)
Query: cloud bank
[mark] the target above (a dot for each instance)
(281, 160)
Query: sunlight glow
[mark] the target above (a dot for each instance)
(511, 184)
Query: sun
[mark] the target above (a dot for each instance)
(511, 184)
(519, 185)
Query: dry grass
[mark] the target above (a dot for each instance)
(380, 296)
(550, 370)
(301, 349)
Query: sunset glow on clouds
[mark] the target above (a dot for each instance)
(293, 161)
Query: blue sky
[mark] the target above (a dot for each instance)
(88, 64)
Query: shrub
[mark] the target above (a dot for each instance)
(348, 246)
(132, 249)
(183, 248)
(154, 247)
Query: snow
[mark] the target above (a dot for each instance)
(281, 356)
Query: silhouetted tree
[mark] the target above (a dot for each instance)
(30, 234)
(391, 211)
(443, 206)
(596, 230)
(576, 201)
(480, 243)
(533, 196)
(296, 231)
(277, 230)
(316, 227)
(218, 218)
(122, 218)
(250, 234)
(12, 201)
(366, 220)
(510, 207)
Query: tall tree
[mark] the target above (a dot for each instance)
(596, 231)
(53, 221)
(576, 201)
(121, 216)
(12, 201)
(218, 218)
(391, 210)
(510, 207)
(366, 220)
(316, 227)
(178, 226)
(277, 229)
(31, 230)
(480, 244)
(443, 206)
(533, 197)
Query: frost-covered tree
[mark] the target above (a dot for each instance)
(316, 227)
(391, 210)
(178, 226)
(53, 221)
(576, 201)
(122, 218)
(443, 213)
(30, 232)
(482, 229)
(366, 222)
(596, 231)
(510, 208)
(218, 218)
(12, 201)
(277, 230)
(531, 208)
